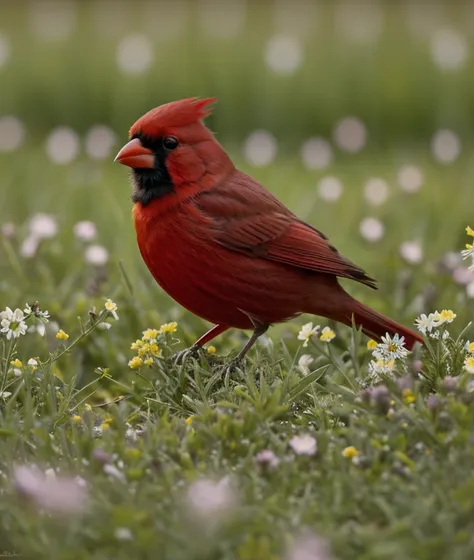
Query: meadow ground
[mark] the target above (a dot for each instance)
(315, 449)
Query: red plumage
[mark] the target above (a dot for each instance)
(223, 246)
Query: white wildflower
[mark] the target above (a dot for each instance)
(12, 323)
(391, 348)
(111, 307)
(307, 331)
(426, 323)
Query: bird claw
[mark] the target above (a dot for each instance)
(181, 357)
(233, 366)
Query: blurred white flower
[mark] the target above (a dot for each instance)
(85, 230)
(284, 54)
(470, 290)
(57, 494)
(123, 534)
(99, 141)
(376, 191)
(62, 145)
(267, 459)
(410, 178)
(29, 246)
(449, 49)
(304, 445)
(361, 22)
(43, 226)
(330, 188)
(445, 146)
(411, 252)
(114, 472)
(12, 323)
(53, 20)
(104, 326)
(222, 19)
(134, 54)
(210, 500)
(316, 153)
(96, 255)
(260, 148)
(350, 135)
(304, 364)
(463, 275)
(371, 229)
(12, 133)
(4, 50)
(8, 229)
(308, 546)
(5, 394)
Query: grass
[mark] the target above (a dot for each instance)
(143, 457)
(288, 457)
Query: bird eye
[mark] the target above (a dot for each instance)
(170, 143)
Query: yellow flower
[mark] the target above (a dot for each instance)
(469, 364)
(148, 362)
(470, 348)
(105, 426)
(445, 316)
(150, 334)
(76, 419)
(111, 307)
(61, 335)
(470, 231)
(87, 406)
(211, 349)
(408, 396)
(154, 350)
(371, 345)
(135, 362)
(327, 335)
(169, 327)
(137, 344)
(17, 363)
(144, 349)
(350, 452)
(189, 420)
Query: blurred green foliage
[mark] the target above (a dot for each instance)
(372, 59)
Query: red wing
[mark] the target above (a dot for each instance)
(247, 218)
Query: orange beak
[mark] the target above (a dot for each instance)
(135, 155)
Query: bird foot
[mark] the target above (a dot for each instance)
(180, 357)
(233, 366)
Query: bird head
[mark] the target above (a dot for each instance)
(172, 151)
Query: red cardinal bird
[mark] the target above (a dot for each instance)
(223, 246)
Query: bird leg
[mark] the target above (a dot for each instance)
(211, 334)
(259, 329)
(193, 351)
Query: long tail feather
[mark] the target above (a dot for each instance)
(375, 324)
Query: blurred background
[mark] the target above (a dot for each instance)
(357, 114)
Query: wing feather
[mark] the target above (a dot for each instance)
(245, 217)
